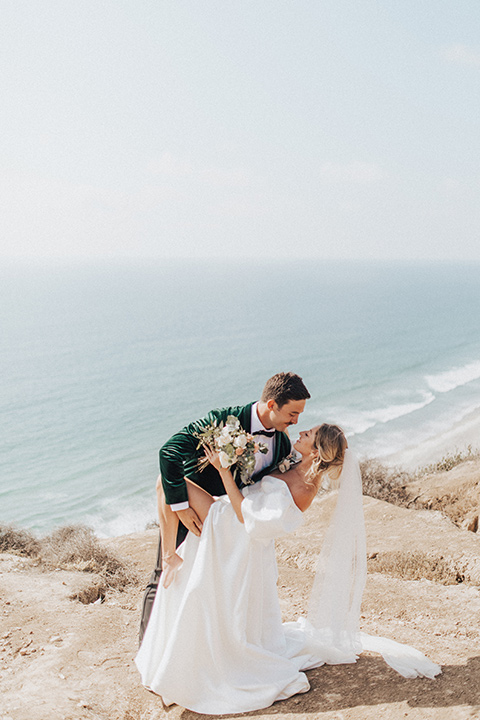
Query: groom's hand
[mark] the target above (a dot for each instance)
(191, 520)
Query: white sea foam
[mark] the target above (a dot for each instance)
(122, 520)
(456, 377)
(394, 443)
(358, 423)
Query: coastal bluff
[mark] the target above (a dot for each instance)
(62, 659)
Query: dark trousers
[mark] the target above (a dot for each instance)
(151, 589)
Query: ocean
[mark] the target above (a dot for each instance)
(101, 364)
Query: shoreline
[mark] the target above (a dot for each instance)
(459, 437)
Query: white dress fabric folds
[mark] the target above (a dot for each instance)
(215, 642)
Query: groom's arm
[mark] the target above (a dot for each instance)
(172, 457)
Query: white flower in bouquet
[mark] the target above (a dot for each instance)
(225, 459)
(233, 424)
(224, 438)
(240, 441)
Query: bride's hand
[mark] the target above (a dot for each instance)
(212, 457)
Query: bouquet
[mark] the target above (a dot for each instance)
(234, 446)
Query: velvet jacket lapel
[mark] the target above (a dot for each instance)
(245, 416)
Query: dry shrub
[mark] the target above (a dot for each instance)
(458, 498)
(19, 542)
(385, 483)
(415, 566)
(451, 460)
(75, 547)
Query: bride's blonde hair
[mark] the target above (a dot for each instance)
(331, 443)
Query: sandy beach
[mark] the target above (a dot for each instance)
(458, 438)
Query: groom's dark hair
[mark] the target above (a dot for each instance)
(284, 387)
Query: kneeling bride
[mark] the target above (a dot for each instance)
(215, 642)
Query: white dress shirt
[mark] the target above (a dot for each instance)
(261, 460)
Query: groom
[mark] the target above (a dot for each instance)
(283, 399)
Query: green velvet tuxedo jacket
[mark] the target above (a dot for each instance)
(179, 456)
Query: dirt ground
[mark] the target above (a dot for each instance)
(61, 660)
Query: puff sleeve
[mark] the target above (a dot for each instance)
(269, 511)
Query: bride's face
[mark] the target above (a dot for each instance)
(305, 443)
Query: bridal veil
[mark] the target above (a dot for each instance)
(330, 632)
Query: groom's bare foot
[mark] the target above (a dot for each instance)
(170, 567)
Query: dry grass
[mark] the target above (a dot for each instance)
(415, 566)
(459, 499)
(385, 483)
(18, 542)
(451, 460)
(73, 547)
(392, 485)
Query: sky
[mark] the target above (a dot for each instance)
(240, 129)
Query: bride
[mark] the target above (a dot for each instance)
(215, 642)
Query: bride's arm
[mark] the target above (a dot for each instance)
(233, 492)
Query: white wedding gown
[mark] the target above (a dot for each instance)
(215, 642)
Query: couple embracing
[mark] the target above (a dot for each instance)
(212, 637)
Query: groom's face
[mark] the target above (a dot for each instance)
(282, 417)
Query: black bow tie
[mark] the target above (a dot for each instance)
(267, 433)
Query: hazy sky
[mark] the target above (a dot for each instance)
(240, 128)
